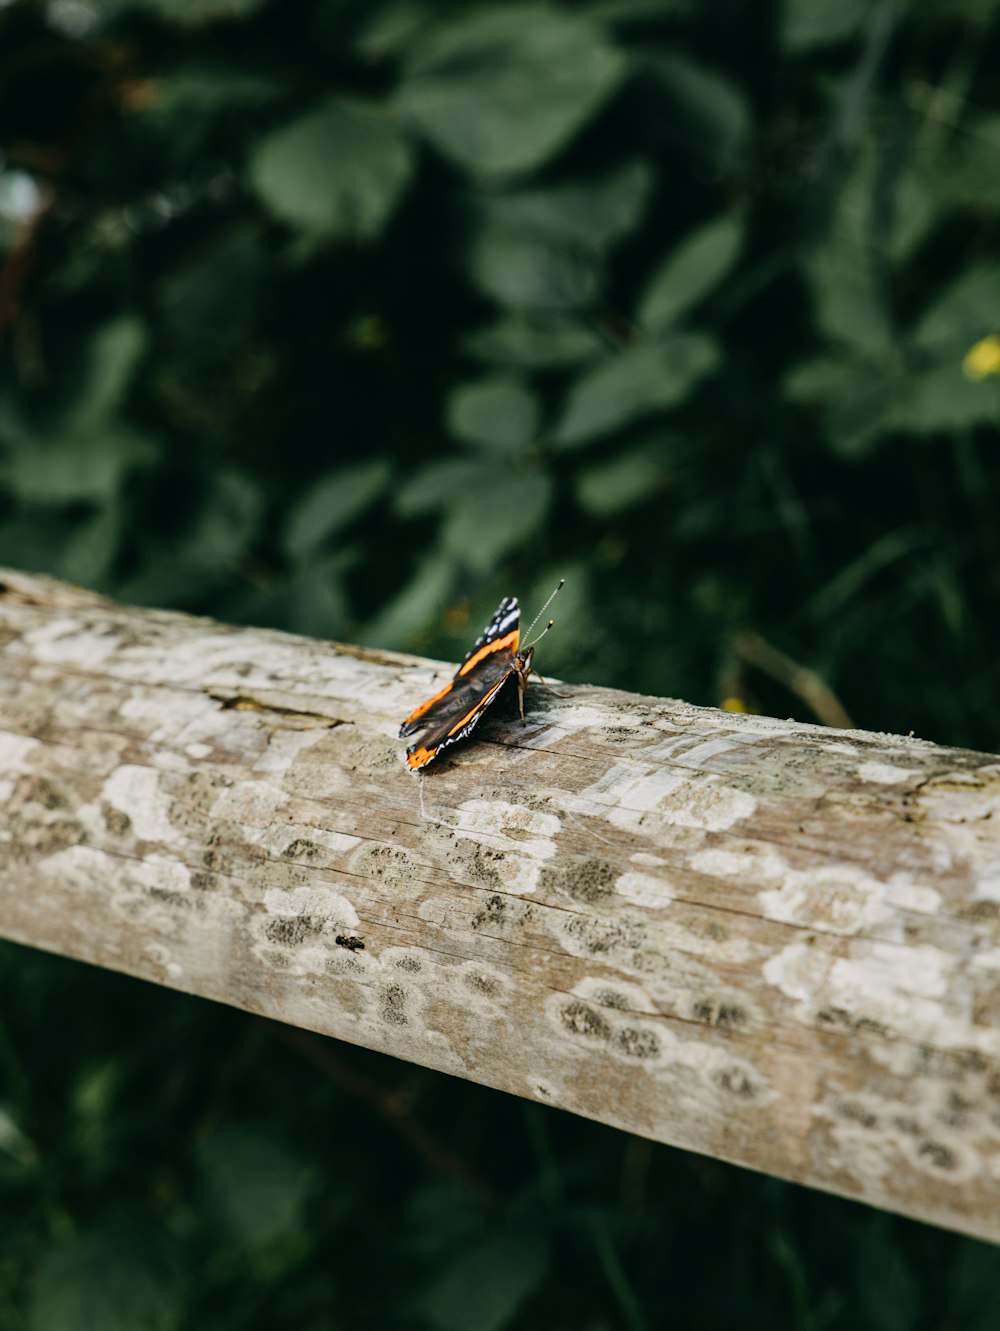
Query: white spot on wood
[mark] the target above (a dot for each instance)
(988, 886)
(882, 985)
(583, 716)
(890, 977)
(319, 903)
(87, 869)
(885, 774)
(632, 792)
(793, 971)
(752, 867)
(66, 640)
(198, 750)
(838, 898)
(903, 894)
(987, 960)
(285, 746)
(644, 890)
(526, 835)
(15, 751)
(250, 802)
(166, 874)
(136, 792)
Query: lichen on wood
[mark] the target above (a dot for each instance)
(770, 942)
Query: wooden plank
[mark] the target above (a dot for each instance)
(769, 942)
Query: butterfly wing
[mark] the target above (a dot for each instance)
(496, 646)
(453, 722)
(455, 710)
(501, 635)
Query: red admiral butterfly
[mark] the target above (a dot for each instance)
(454, 712)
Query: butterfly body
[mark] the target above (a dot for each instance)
(452, 713)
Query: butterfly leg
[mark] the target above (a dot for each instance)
(546, 685)
(521, 682)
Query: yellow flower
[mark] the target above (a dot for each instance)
(983, 359)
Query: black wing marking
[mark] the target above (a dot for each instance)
(507, 617)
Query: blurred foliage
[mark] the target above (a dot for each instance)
(352, 316)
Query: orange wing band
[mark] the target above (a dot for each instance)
(425, 706)
(419, 758)
(488, 648)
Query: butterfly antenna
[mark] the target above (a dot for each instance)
(562, 583)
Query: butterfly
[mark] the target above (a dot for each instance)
(456, 709)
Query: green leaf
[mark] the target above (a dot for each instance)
(488, 508)
(593, 214)
(416, 606)
(80, 450)
(315, 598)
(818, 381)
(333, 501)
(91, 547)
(858, 402)
(208, 89)
(484, 1288)
(536, 340)
(915, 211)
(853, 402)
(435, 485)
(964, 168)
(254, 1184)
(80, 467)
(647, 379)
(967, 311)
(632, 477)
(14, 1143)
(706, 114)
(941, 399)
(503, 89)
(109, 1276)
(806, 24)
(226, 520)
(851, 307)
(336, 172)
(527, 272)
(112, 355)
(500, 511)
(499, 414)
(848, 269)
(383, 31)
(689, 273)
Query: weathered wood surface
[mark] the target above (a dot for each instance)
(769, 942)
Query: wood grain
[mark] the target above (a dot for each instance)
(772, 943)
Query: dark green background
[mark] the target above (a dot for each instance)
(352, 317)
